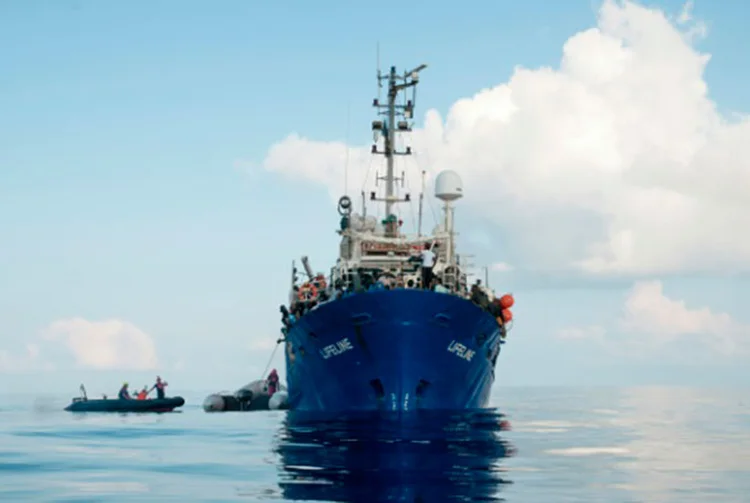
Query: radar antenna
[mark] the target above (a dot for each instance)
(388, 128)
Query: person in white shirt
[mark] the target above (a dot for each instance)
(428, 262)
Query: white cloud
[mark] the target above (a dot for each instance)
(617, 162)
(110, 344)
(698, 29)
(650, 321)
(650, 313)
(686, 14)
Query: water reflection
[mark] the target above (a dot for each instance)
(419, 457)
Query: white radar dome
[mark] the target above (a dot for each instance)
(448, 186)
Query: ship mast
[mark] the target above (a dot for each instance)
(389, 128)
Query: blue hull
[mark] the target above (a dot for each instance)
(392, 350)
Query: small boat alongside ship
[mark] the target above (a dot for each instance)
(104, 404)
(251, 397)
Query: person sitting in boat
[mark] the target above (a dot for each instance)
(159, 387)
(272, 382)
(124, 394)
(143, 394)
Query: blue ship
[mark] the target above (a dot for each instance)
(395, 325)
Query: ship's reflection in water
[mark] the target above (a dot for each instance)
(414, 457)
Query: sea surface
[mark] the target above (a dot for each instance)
(563, 445)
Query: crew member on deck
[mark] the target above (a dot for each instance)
(479, 296)
(143, 393)
(437, 286)
(124, 394)
(159, 387)
(273, 382)
(428, 262)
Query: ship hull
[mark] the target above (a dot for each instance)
(396, 350)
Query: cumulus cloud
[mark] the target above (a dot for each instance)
(617, 158)
(649, 312)
(651, 320)
(109, 344)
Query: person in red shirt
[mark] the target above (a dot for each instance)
(273, 382)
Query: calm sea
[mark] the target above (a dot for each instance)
(565, 445)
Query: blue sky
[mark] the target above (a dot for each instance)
(136, 184)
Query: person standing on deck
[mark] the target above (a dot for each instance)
(272, 382)
(159, 387)
(428, 262)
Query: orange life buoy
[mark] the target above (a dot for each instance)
(307, 292)
(507, 301)
(507, 315)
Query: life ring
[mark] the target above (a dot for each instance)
(307, 292)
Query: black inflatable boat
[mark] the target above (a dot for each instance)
(251, 397)
(84, 404)
(118, 405)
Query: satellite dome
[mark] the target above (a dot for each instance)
(448, 186)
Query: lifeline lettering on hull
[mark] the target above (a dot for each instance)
(461, 351)
(336, 349)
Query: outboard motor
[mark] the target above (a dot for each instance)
(244, 398)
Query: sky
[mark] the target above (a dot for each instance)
(161, 166)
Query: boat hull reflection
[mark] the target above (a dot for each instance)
(421, 456)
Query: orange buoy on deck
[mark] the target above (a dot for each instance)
(507, 301)
(507, 315)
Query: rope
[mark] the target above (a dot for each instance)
(269, 361)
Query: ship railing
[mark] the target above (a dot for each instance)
(403, 271)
